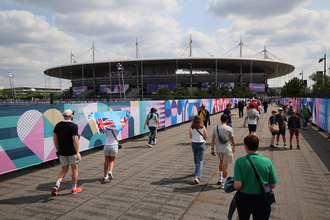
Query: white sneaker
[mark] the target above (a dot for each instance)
(110, 175)
(285, 147)
(196, 180)
(222, 186)
(154, 142)
(219, 181)
(149, 145)
(106, 179)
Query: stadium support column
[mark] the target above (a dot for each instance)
(142, 80)
(191, 79)
(251, 71)
(216, 72)
(240, 74)
(110, 75)
(177, 67)
(94, 82)
(137, 76)
(82, 83)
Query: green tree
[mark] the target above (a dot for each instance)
(180, 92)
(224, 91)
(242, 91)
(163, 93)
(295, 87)
(321, 87)
(214, 91)
(200, 93)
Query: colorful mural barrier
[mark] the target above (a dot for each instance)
(26, 132)
(320, 109)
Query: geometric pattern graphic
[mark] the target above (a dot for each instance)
(26, 136)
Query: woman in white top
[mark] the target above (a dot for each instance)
(198, 135)
(152, 121)
(110, 151)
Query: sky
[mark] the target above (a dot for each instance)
(38, 34)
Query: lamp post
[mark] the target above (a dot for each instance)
(12, 86)
(121, 68)
(302, 75)
(325, 63)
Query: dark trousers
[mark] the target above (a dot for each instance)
(248, 204)
(240, 112)
(205, 123)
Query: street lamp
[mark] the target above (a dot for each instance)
(121, 68)
(325, 63)
(302, 75)
(12, 86)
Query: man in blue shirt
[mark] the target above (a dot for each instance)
(227, 111)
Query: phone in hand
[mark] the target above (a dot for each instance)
(213, 154)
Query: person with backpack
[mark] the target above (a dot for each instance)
(223, 145)
(152, 121)
(198, 135)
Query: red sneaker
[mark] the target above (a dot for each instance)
(54, 191)
(75, 191)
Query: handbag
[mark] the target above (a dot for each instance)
(119, 145)
(274, 128)
(267, 191)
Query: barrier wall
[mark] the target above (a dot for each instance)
(320, 109)
(26, 132)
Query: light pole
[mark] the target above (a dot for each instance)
(121, 68)
(12, 86)
(325, 63)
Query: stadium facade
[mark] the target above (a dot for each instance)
(138, 77)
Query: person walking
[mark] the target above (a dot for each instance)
(272, 121)
(281, 119)
(110, 152)
(205, 115)
(265, 104)
(152, 121)
(294, 128)
(250, 199)
(198, 135)
(67, 149)
(305, 114)
(223, 145)
(252, 117)
(255, 104)
(227, 111)
(240, 108)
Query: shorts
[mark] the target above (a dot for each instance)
(281, 131)
(294, 132)
(226, 158)
(252, 127)
(110, 150)
(66, 160)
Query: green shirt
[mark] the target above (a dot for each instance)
(304, 112)
(243, 172)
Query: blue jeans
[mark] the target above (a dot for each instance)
(198, 150)
(152, 134)
(305, 120)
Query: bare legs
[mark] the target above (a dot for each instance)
(108, 164)
(223, 168)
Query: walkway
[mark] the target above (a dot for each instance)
(158, 183)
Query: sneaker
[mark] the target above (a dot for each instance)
(219, 181)
(272, 147)
(154, 142)
(290, 146)
(298, 147)
(277, 145)
(196, 180)
(54, 191)
(110, 175)
(285, 147)
(222, 186)
(149, 145)
(75, 191)
(106, 179)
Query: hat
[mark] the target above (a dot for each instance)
(156, 109)
(68, 112)
(280, 109)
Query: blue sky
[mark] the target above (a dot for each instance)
(38, 34)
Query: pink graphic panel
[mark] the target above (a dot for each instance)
(35, 139)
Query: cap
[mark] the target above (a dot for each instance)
(156, 109)
(280, 109)
(68, 112)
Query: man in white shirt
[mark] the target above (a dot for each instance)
(224, 142)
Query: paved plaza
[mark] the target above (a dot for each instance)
(158, 183)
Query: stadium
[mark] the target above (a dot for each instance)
(139, 77)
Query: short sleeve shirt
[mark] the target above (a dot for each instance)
(304, 112)
(272, 120)
(65, 130)
(228, 112)
(244, 173)
(152, 120)
(281, 119)
(226, 132)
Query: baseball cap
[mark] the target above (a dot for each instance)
(68, 112)
(280, 109)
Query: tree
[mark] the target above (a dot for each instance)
(321, 87)
(180, 92)
(224, 91)
(214, 91)
(163, 93)
(242, 91)
(200, 93)
(295, 87)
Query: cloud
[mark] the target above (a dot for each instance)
(253, 9)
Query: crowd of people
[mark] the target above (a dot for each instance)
(249, 198)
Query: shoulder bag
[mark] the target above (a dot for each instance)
(267, 191)
(119, 145)
(221, 140)
(274, 127)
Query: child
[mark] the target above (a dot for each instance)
(272, 120)
(294, 128)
